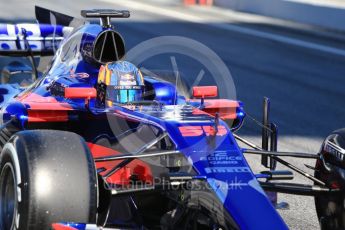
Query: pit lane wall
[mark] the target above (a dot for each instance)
(328, 16)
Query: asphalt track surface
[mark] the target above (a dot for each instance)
(305, 82)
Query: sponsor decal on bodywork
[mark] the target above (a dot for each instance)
(227, 170)
(194, 131)
(222, 158)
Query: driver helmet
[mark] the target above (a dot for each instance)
(119, 82)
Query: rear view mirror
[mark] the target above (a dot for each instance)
(205, 91)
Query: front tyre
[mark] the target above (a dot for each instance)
(46, 177)
(330, 168)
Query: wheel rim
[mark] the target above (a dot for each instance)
(8, 200)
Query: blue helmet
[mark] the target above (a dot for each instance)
(122, 81)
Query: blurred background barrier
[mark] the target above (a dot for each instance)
(198, 2)
(329, 14)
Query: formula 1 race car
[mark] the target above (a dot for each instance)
(95, 142)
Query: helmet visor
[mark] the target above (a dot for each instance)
(124, 94)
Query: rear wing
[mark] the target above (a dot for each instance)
(50, 17)
(31, 39)
(41, 39)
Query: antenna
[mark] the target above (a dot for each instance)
(105, 15)
(29, 50)
(176, 87)
(177, 75)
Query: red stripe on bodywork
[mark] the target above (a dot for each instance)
(123, 176)
(38, 102)
(49, 106)
(34, 97)
(47, 116)
(101, 151)
(45, 109)
(191, 131)
(62, 227)
(225, 108)
(220, 103)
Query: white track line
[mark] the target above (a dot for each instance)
(252, 32)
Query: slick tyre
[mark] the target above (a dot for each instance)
(46, 177)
